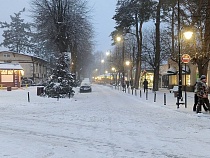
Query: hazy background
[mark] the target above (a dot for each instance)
(102, 12)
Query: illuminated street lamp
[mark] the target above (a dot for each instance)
(103, 62)
(108, 53)
(127, 63)
(188, 35)
(119, 39)
(114, 76)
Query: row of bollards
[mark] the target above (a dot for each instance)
(134, 92)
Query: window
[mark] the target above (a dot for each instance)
(6, 55)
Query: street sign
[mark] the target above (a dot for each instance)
(185, 58)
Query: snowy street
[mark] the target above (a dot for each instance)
(106, 123)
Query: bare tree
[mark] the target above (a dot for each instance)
(65, 24)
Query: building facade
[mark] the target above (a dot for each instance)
(189, 75)
(34, 68)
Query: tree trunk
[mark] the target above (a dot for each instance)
(204, 61)
(74, 59)
(157, 54)
(138, 58)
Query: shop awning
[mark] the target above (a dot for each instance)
(171, 71)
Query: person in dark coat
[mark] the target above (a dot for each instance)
(202, 93)
(145, 84)
(195, 97)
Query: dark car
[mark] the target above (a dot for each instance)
(85, 87)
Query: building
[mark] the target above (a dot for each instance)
(10, 75)
(34, 68)
(189, 75)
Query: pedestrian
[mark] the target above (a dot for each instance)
(145, 84)
(195, 96)
(202, 93)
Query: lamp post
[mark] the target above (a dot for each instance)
(179, 96)
(127, 63)
(102, 61)
(114, 77)
(108, 54)
(188, 35)
(123, 60)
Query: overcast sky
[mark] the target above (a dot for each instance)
(102, 13)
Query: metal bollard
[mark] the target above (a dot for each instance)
(132, 91)
(140, 93)
(135, 92)
(28, 97)
(185, 99)
(146, 95)
(154, 96)
(164, 99)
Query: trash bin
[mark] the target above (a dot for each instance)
(9, 88)
(40, 90)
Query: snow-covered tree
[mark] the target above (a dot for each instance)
(65, 24)
(61, 81)
(17, 34)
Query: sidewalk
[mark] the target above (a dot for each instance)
(170, 101)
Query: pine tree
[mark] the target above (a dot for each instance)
(61, 82)
(16, 34)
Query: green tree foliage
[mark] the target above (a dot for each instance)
(130, 15)
(17, 34)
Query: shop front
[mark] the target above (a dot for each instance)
(10, 75)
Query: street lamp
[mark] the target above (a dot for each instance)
(187, 35)
(179, 96)
(119, 39)
(114, 76)
(108, 54)
(127, 63)
(102, 61)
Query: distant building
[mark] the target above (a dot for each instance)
(10, 75)
(34, 68)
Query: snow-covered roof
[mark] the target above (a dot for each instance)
(25, 54)
(10, 66)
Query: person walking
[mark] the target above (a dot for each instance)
(145, 84)
(202, 93)
(195, 96)
(196, 99)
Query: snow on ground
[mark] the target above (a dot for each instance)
(106, 123)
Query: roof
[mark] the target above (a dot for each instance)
(9, 66)
(25, 54)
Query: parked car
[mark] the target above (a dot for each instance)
(85, 87)
(27, 82)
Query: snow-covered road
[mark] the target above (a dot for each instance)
(106, 123)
